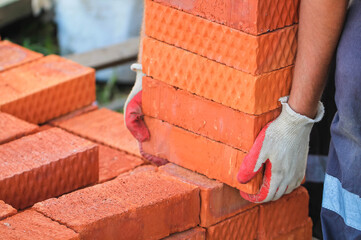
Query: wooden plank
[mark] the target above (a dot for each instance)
(11, 11)
(108, 56)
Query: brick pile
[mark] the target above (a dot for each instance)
(72, 171)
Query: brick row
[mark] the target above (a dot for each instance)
(304, 232)
(213, 159)
(44, 165)
(200, 115)
(46, 88)
(12, 128)
(104, 127)
(252, 54)
(12, 55)
(6, 210)
(203, 77)
(218, 200)
(254, 17)
(141, 205)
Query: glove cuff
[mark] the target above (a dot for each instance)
(299, 118)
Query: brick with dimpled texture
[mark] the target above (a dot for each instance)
(254, 17)
(148, 205)
(12, 128)
(6, 210)
(283, 216)
(241, 226)
(189, 150)
(112, 163)
(192, 234)
(203, 77)
(105, 127)
(31, 225)
(301, 233)
(12, 55)
(218, 200)
(78, 112)
(242, 51)
(46, 164)
(46, 88)
(202, 116)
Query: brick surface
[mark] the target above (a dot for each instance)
(44, 165)
(254, 17)
(113, 162)
(242, 51)
(218, 200)
(105, 127)
(228, 86)
(201, 115)
(73, 114)
(12, 55)
(192, 234)
(46, 88)
(241, 226)
(6, 210)
(197, 153)
(31, 225)
(144, 205)
(13, 128)
(304, 233)
(283, 216)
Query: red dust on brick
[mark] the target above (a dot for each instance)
(192, 234)
(6, 210)
(144, 205)
(46, 164)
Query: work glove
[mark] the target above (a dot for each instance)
(282, 147)
(134, 118)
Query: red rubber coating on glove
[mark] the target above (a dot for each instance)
(134, 119)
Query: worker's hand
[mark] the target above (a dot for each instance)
(134, 118)
(282, 146)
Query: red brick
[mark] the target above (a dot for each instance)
(241, 226)
(44, 165)
(105, 127)
(218, 200)
(144, 205)
(283, 216)
(12, 55)
(73, 114)
(46, 88)
(254, 17)
(31, 225)
(213, 159)
(202, 116)
(6, 210)
(209, 79)
(304, 233)
(192, 234)
(13, 128)
(242, 51)
(113, 162)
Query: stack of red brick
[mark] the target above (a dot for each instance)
(72, 171)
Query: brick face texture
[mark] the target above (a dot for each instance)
(197, 153)
(143, 205)
(46, 164)
(12, 55)
(205, 117)
(46, 88)
(13, 128)
(252, 54)
(192, 234)
(31, 225)
(105, 127)
(6, 210)
(230, 87)
(254, 17)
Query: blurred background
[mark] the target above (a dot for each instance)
(100, 34)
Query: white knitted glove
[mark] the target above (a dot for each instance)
(282, 146)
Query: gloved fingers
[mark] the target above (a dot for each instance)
(254, 160)
(151, 158)
(281, 190)
(134, 119)
(294, 185)
(264, 191)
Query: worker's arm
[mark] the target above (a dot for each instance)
(282, 146)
